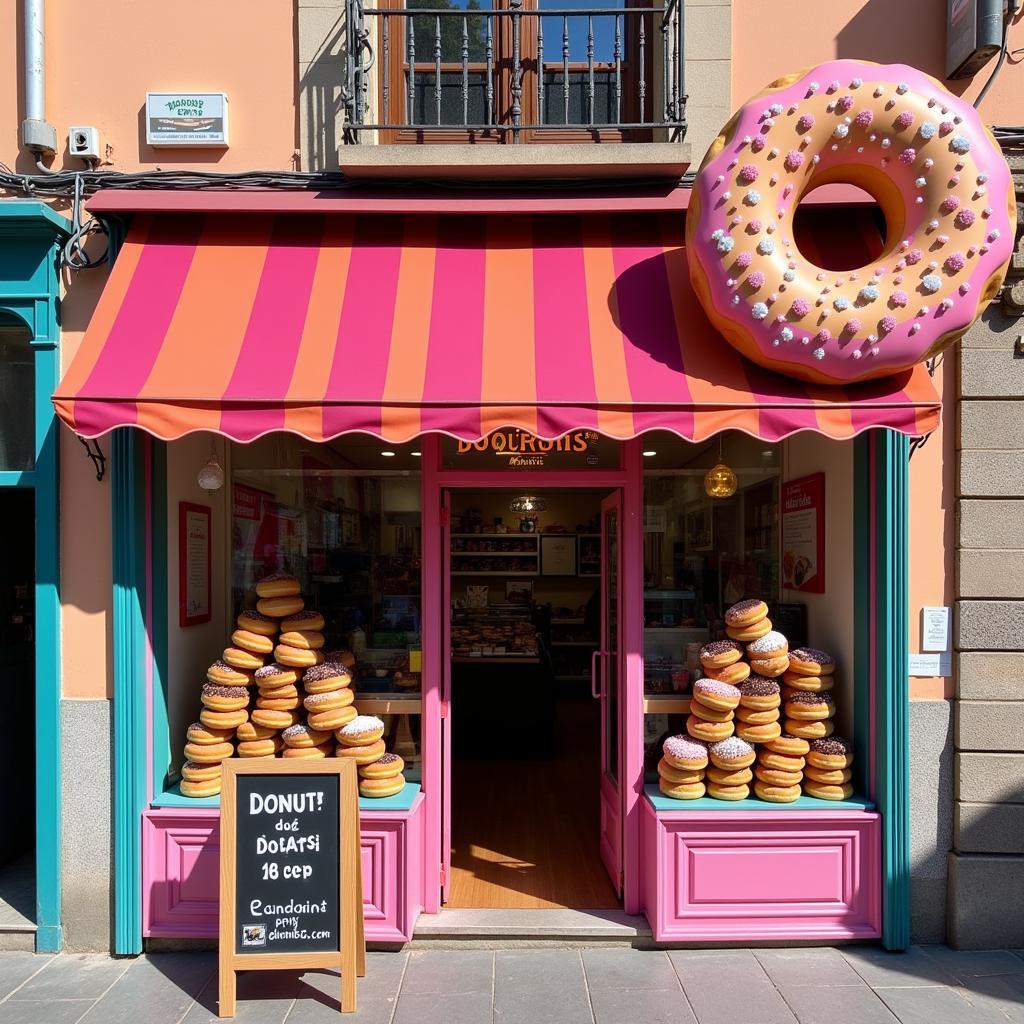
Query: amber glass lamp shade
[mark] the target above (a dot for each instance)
(720, 481)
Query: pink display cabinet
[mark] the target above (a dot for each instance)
(181, 869)
(760, 872)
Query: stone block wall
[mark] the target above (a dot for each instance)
(986, 869)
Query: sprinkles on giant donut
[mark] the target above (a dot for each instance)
(939, 177)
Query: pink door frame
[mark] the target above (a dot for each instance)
(435, 479)
(611, 654)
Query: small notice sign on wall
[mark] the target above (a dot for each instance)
(194, 564)
(290, 872)
(803, 534)
(187, 119)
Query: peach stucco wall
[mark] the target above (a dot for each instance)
(103, 57)
(101, 60)
(773, 39)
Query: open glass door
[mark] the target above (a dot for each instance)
(446, 694)
(607, 681)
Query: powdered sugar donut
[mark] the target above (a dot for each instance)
(685, 753)
(941, 182)
(731, 753)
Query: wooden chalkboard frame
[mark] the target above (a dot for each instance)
(350, 959)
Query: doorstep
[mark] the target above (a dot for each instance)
(496, 928)
(17, 902)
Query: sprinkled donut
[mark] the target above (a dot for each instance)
(934, 169)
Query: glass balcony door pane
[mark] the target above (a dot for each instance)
(456, 42)
(574, 39)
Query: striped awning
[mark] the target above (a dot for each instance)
(395, 325)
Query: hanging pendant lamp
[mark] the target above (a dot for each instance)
(720, 481)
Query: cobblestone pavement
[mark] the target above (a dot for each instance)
(855, 985)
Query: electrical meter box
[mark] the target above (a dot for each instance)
(187, 119)
(974, 30)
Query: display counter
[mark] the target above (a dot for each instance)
(752, 871)
(181, 857)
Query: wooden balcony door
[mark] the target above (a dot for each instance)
(478, 96)
(611, 94)
(487, 89)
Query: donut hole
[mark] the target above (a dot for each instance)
(841, 237)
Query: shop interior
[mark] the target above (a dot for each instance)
(346, 518)
(525, 572)
(17, 752)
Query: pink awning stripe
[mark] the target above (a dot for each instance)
(396, 325)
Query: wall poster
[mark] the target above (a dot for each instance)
(803, 534)
(194, 564)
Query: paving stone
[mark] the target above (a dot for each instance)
(165, 985)
(1000, 992)
(17, 967)
(449, 972)
(729, 988)
(817, 966)
(882, 969)
(449, 1008)
(53, 1011)
(537, 986)
(975, 963)
(261, 997)
(841, 1004)
(937, 1004)
(80, 976)
(317, 1000)
(629, 969)
(658, 1006)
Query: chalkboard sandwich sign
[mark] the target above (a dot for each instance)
(290, 885)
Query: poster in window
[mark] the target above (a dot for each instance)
(558, 554)
(194, 564)
(803, 534)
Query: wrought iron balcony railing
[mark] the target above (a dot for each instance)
(514, 73)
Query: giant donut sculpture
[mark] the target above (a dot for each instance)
(938, 176)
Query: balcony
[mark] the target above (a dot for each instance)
(432, 72)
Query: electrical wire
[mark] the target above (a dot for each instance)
(1011, 10)
(63, 183)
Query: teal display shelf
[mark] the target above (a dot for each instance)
(399, 802)
(805, 803)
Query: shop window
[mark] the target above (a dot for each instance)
(517, 449)
(17, 398)
(705, 548)
(345, 518)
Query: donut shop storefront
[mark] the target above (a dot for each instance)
(356, 374)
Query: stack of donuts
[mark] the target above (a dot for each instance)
(737, 706)
(809, 711)
(299, 704)
(681, 769)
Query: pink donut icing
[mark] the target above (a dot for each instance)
(952, 183)
(717, 688)
(685, 748)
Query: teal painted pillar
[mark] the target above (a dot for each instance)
(881, 596)
(31, 236)
(892, 700)
(129, 452)
(49, 934)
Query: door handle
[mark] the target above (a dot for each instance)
(595, 684)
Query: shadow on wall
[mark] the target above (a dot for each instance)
(321, 79)
(909, 32)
